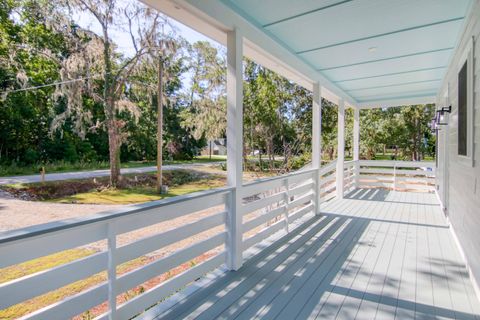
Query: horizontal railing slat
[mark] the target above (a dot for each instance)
(262, 203)
(329, 167)
(30, 286)
(156, 268)
(158, 241)
(249, 225)
(328, 178)
(304, 188)
(31, 248)
(300, 213)
(262, 185)
(258, 188)
(154, 216)
(301, 200)
(301, 177)
(263, 234)
(153, 296)
(388, 163)
(72, 306)
(363, 177)
(328, 196)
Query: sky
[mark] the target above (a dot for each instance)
(122, 38)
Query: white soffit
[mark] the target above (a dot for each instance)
(367, 52)
(213, 18)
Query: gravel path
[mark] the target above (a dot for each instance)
(96, 173)
(15, 213)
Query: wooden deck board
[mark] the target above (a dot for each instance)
(376, 254)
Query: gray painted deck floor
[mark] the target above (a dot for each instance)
(377, 254)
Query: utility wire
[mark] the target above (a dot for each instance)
(48, 85)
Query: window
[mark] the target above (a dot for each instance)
(465, 106)
(463, 110)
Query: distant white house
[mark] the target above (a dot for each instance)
(216, 147)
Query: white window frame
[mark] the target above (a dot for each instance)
(467, 56)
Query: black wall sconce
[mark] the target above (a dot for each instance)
(440, 115)
(440, 119)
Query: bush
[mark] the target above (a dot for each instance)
(31, 156)
(300, 161)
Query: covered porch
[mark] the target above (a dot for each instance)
(349, 240)
(376, 254)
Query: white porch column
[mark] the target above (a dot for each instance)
(340, 148)
(356, 143)
(317, 140)
(234, 147)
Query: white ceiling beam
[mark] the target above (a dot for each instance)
(214, 19)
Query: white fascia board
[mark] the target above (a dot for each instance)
(396, 102)
(214, 18)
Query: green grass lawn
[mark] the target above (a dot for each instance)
(138, 194)
(133, 188)
(64, 166)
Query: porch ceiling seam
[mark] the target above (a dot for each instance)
(391, 74)
(381, 35)
(305, 13)
(395, 85)
(386, 59)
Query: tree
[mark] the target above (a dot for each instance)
(206, 115)
(329, 128)
(414, 133)
(372, 131)
(143, 25)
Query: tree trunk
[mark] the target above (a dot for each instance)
(114, 151)
(260, 159)
(210, 151)
(109, 105)
(159, 125)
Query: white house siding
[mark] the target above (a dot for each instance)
(463, 190)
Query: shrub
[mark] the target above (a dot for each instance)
(31, 156)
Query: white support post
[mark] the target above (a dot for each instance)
(340, 148)
(356, 145)
(317, 142)
(234, 244)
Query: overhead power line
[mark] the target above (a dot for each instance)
(47, 85)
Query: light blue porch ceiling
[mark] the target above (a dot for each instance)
(372, 49)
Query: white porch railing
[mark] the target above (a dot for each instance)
(327, 176)
(31, 243)
(274, 204)
(397, 175)
(268, 206)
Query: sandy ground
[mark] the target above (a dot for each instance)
(15, 213)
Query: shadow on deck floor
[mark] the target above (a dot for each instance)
(376, 254)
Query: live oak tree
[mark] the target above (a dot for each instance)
(143, 26)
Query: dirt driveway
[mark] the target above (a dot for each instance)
(15, 213)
